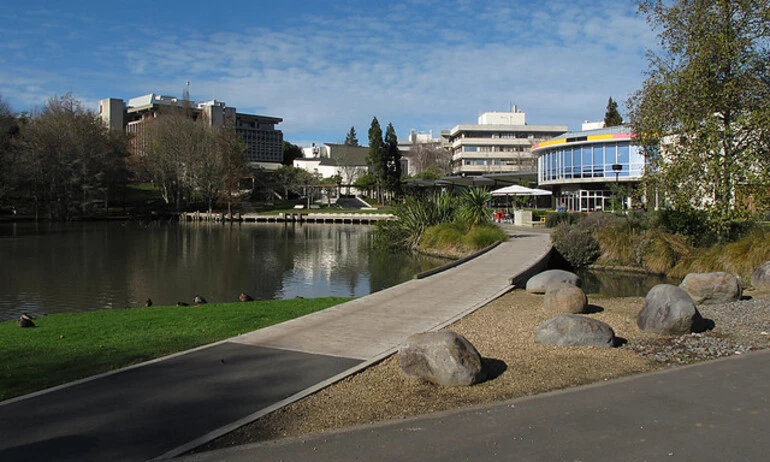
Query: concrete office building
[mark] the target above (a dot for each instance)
(501, 142)
(264, 143)
(580, 166)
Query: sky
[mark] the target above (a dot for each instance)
(324, 66)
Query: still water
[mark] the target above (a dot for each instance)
(54, 268)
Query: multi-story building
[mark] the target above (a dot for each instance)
(500, 143)
(264, 144)
(579, 167)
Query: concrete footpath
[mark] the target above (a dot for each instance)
(166, 407)
(717, 411)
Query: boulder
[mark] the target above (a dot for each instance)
(575, 330)
(712, 288)
(538, 284)
(565, 298)
(760, 277)
(669, 310)
(443, 358)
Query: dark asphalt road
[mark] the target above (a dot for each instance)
(171, 403)
(717, 411)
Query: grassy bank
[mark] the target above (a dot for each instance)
(67, 347)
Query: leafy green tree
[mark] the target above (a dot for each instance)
(291, 152)
(376, 158)
(702, 117)
(611, 116)
(392, 161)
(350, 138)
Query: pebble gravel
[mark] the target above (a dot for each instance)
(738, 327)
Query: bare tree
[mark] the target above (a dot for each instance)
(69, 158)
(425, 156)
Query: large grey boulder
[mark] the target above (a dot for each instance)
(760, 277)
(712, 288)
(565, 298)
(444, 358)
(575, 330)
(538, 284)
(669, 310)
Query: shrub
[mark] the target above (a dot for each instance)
(553, 219)
(739, 258)
(577, 246)
(483, 236)
(691, 224)
(442, 236)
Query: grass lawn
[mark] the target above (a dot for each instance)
(66, 347)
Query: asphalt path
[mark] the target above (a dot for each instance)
(143, 412)
(716, 411)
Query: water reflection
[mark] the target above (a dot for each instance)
(621, 284)
(51, 268)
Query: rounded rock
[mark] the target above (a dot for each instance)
(565, 298)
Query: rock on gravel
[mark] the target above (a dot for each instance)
(669, 310)
(565, 299)
(538, 284)
(760, 277)
(574, 330)
(444, 358)
(710, 288)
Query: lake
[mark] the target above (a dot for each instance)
(63, 267)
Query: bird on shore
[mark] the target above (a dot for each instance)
(182, 304)
(198, 300)
(25, 320)
(148, 302)
(244, 297)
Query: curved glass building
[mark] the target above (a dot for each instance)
(579, 166)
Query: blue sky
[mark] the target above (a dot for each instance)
(324, 66)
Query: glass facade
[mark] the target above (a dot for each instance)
(571, 164)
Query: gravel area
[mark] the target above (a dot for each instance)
(503, 332)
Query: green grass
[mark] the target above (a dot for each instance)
(66, 347)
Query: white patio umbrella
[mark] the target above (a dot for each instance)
(519, 190)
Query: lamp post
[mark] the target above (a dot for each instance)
(617, 168)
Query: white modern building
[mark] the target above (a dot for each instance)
(349, 162)
(579, 167)
(501, 142)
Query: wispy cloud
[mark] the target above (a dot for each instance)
(419, 63)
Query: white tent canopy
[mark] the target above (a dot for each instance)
(518, 190)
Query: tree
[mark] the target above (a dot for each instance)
(291, 152)
(702, 117)
(70, 160)
(376, 157)
(350, 138)
(611, 116)
(9, 130)
(231, 149)
(430, 157)
(392, 161)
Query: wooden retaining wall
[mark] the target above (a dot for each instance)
(288, 217)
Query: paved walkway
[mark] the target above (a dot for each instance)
(717, 411)
(166, 407)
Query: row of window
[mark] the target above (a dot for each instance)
(591, 161)
(495, 149)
